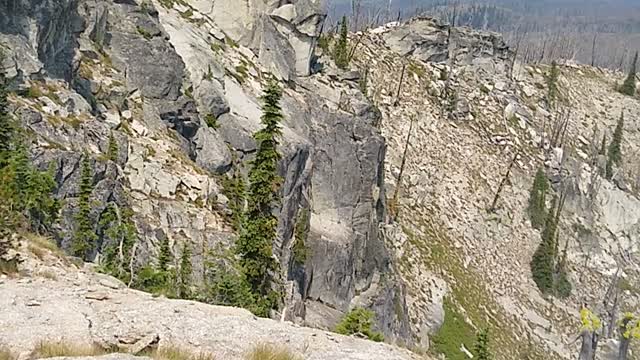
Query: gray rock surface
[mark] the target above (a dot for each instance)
(76, 307)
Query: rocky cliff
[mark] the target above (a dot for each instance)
(177, 86)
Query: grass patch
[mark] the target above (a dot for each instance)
(229, 41)
(172, 352)
(34, 92)
(211, 121)
(217, 47)
(417, 69)
(467, 291)
(50, 349)
(48, 274)
(43, 243)
(7, 354)
(145, 34)
(271, 352)
(187, 14)
(454, 332)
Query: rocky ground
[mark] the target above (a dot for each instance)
(52, 300)
(452, 246)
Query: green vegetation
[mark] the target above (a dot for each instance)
(454, 332)
(234, 189)
(84, 238)
(120, 235)
(254, 245)
(614, 157)
(481, 348)
(542, 264)
(537, 199)
(184, 276)
(629, 85)
(271, 352)
(324, 42)
(301, 231)
(211, 121)
(552, 84)
(145, 34)
(341, 50)
(112, 148)
(548, 268)
(359, 321)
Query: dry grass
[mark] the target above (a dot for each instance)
(38, 244)
(265, 351)
(49, 349)
(48, 274)
(173, 352)
(7, 354)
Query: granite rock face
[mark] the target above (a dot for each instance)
(177, 87)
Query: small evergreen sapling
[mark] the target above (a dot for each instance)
(84, 237)
(341, 51)
(629, 85)
(614, 156)
(184, 286)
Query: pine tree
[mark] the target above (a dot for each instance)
(481, 348)
(543, 261)
(185, 273)
(112, 151)
(259, 229)
(84, 237)
(6, 124)
(615, 152)
(341, 51)
(552, 84)
(165, 257)
(537, 199)
(629, 85)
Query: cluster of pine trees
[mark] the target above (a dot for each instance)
(26, 201)
(548, 265)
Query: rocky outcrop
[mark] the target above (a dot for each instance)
(282, 34)
(59, 303)
(429, 40)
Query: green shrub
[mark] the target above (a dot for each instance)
(359, 321)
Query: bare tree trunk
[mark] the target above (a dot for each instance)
(586, 350)
(593, 50)
(492, 208)
(396, 193)
(397, 101)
